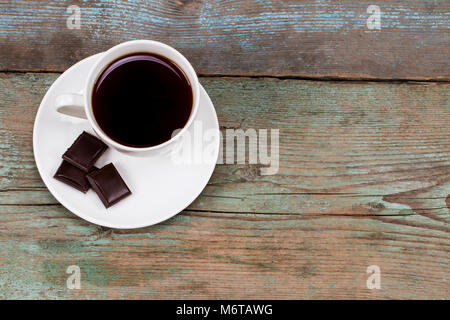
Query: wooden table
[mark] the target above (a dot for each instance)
(364, 171)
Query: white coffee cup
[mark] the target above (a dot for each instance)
(80, 104)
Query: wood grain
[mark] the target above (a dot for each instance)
(314, 39)
(364, 178)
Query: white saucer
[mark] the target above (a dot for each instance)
(160, 188)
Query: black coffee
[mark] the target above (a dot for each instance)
(140, 99)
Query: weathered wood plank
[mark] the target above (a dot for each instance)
(341, 144)
(364, 176)
(219, 256)
(283, 38)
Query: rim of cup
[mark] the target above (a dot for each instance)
(128, 48)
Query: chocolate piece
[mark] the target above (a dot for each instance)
(108, 184)
(73, 176)
(85, 151)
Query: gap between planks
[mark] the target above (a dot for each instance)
(280, 77)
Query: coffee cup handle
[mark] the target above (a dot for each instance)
(71, 105)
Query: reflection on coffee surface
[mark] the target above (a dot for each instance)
(140, 99)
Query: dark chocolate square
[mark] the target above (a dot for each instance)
(109, 185)
(85, 151)
(73, 176)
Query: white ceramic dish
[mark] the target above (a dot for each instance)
(161, 188)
